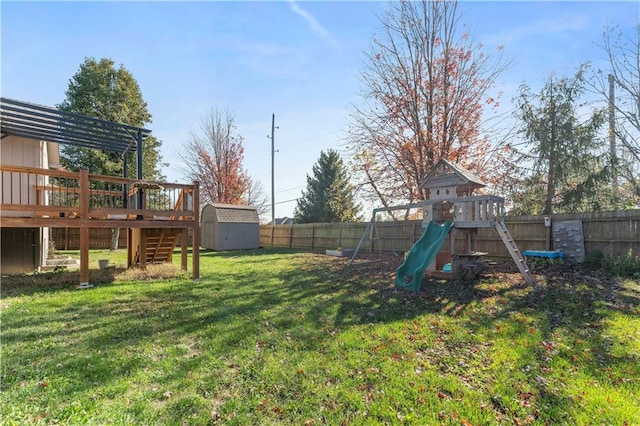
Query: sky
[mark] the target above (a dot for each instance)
(298, 60)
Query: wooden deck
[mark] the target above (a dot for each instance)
(32, 197)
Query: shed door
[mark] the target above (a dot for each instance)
(226, 237)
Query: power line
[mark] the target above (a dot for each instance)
(287, 201)
(291, 189)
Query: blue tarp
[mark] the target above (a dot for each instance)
(557, 254)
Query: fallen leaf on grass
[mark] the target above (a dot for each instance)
(263, 404)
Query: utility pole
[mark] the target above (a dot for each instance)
(612, 136)
(273, 186)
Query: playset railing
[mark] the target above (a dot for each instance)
(477, 210)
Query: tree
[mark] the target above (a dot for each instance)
(425, 89)
(255, 197)
(567, 171)
(623, 56)
(214, 157)
(101, 90)
(329, 196)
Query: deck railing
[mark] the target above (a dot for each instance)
(55, 194)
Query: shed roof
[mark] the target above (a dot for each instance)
(231, 213)
(53, 125)
(445, 170)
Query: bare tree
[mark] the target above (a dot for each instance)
(214, 157)
(622, 51)
(426, 84)
(256, 197)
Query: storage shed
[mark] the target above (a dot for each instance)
(230, 227)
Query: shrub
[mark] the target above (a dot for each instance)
(623, 266)
(593, 260)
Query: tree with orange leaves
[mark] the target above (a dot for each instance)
(214, 158)
(426, 87)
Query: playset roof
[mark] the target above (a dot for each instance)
(445, 173)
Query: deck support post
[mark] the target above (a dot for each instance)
(142, 261)
(84, 257)
(84, 229)
(184, 246)
(195, 255)
(139, 172)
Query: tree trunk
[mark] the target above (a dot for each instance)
(551, 177)
(115, 238)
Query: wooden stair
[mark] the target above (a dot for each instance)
(157, 245)
(521, 263)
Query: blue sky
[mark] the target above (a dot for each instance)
(299, 60)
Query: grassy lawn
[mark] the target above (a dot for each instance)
(279, 337)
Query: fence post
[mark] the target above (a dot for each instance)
(290, 236)
(339, 235)
(273, 229)
(313, 226)
(413, 234)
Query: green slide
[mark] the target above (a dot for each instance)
(409, 274)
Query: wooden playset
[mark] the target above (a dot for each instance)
(452, 195)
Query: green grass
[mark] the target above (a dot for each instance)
(279, 337)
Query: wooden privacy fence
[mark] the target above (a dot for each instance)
(613, 233)
(99, 238)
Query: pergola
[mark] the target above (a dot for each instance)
(45, 123)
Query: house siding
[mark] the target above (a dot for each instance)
(25, 152)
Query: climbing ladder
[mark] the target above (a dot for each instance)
(506, 237)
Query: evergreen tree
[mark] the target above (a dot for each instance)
(101, 90)
(568, 169)
(329, 196)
